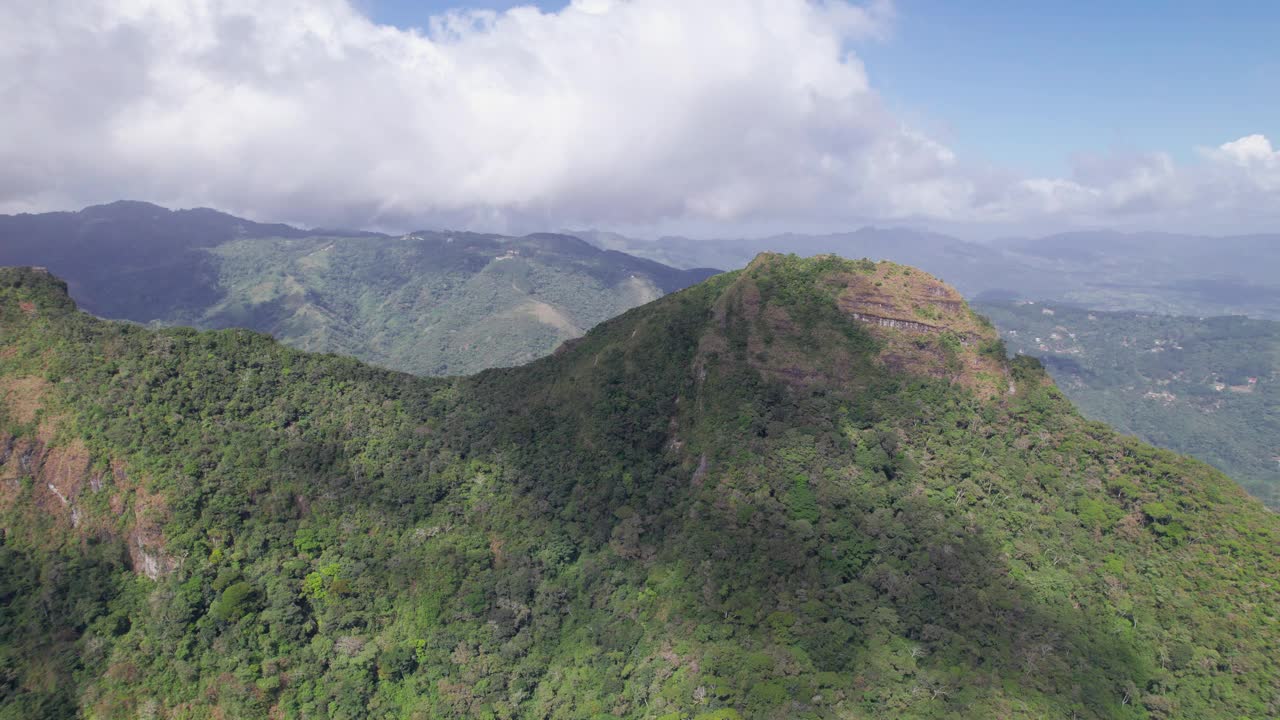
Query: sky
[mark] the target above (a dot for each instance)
(651, 116)
(1029, 85)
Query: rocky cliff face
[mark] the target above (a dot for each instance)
(60, 483)
(927, 327)
(47, 471)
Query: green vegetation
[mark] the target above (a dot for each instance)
(1208, 387)
(430, 303)
(727, 503)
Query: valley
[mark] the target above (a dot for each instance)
(1201, 386)
(1104, 270)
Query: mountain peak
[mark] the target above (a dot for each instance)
(125, 206)
(36, 289)
(807, 318)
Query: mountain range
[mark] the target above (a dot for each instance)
(807, 489)
(1103, 270)
(427, 302)
(437, 302)
(442, 303)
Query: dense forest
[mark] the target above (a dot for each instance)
(1208, 387)
(430, 303)
(808, 489)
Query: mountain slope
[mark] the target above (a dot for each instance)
(812, 488)
(432, 303)
(130, 260)
(429, 302)
(1207, 387)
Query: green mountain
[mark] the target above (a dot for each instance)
(1208, 387)
(130, 260)
(808, 489)
(429, 302)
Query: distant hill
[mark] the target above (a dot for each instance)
(1144, 272)
(131, 260)
(427, 302)
(807, 489)
(971, 267)
(1208, 387)
(1157, 272)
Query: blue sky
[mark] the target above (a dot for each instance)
(1028, 85)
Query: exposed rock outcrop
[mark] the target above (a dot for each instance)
(892, 323)
(923, 325)
(55, 478)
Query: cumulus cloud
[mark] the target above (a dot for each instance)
(1251, 162)
(606, 112)
(1231, 188)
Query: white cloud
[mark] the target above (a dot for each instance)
(607, 112)
(1233, 187)
(1250, 151)
(1249, 161)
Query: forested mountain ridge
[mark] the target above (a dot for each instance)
(130, 260)
(811, 488)
(431, 303)
(1208, 387)
(428, 302)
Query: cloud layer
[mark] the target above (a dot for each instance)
(609, 112)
